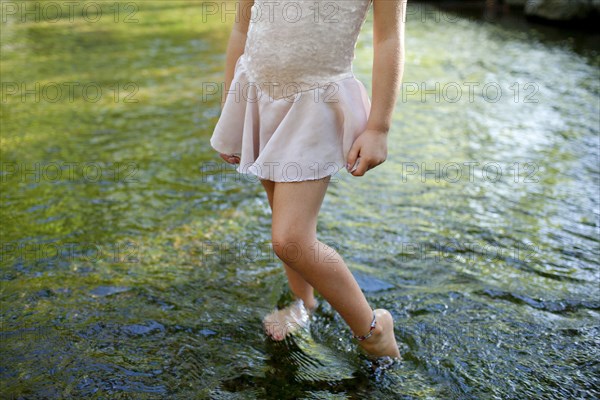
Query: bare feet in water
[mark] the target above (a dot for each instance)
(281, 323)
(382, 342)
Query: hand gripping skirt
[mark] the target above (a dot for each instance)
(304, 136)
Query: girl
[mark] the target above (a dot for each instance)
(293, 114)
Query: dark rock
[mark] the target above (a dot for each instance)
(561, 10)
(370, 283)
(140, 330)
(101, 291)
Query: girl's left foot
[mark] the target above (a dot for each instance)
(382, 342)
(281, 323)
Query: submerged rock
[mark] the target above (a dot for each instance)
(102, 291)
(141, 330)
(370, 283)
(520, 3)
(561, 10)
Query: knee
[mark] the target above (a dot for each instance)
(290, 246)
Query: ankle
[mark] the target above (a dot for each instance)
(309, 304)
(311, 307)
(376, 334)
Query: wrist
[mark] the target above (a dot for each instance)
(382, 130)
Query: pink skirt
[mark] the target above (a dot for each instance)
(304, 136)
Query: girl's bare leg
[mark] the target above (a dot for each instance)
(295, 208)
(299, 287)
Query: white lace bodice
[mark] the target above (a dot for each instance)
(303, 42)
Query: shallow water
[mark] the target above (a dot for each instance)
(139, 266)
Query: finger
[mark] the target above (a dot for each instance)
(361, 168)
(352, 156)
(356, 164)
(225, 157)
(231, 159)
(235, 158)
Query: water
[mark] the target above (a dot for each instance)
(146, 271)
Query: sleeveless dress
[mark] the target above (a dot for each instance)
(295, 107)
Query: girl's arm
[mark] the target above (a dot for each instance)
(237, 42)
(370, 148)
(388, 61)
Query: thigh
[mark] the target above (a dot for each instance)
(269, 186)
(296, 206)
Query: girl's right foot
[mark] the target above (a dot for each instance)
(281, 323)
(382, 342)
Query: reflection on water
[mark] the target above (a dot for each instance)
(135, 264)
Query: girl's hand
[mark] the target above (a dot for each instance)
(230, 158)
(371, 148)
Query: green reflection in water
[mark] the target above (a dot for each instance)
(145, 269)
